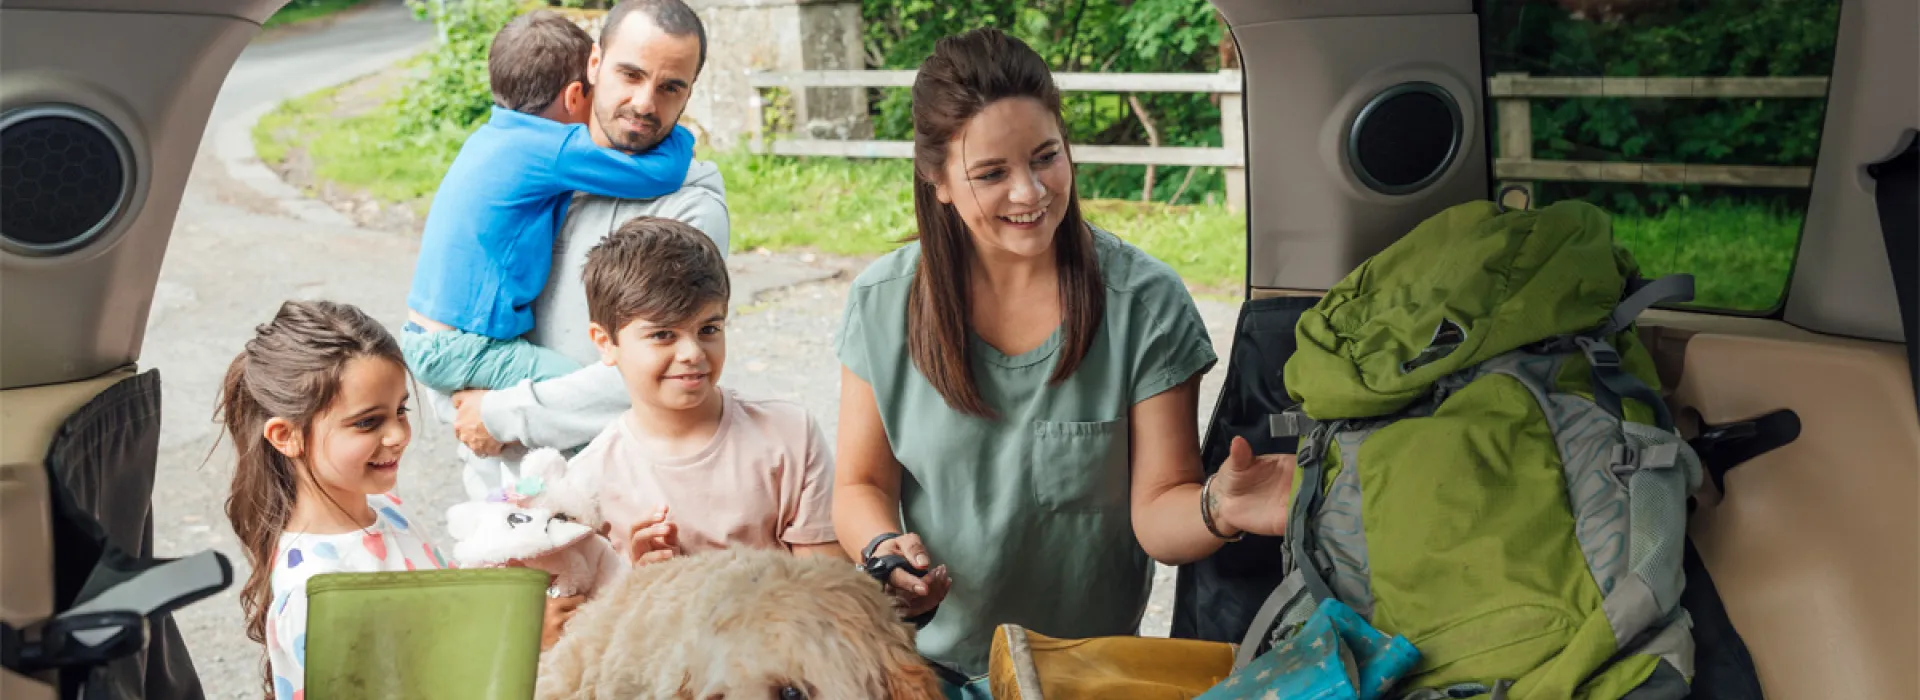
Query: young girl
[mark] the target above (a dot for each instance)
(316, 407)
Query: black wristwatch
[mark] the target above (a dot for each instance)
(881, 569)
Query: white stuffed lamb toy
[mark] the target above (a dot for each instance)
(549, 519)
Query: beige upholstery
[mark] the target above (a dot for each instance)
(28, 420)
(1815, 547)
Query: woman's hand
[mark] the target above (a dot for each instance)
(866, 499)
(918, 593)
(1251, 493)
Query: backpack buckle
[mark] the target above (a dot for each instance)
(1599, 353)
(1289, 423)
(1627, 460)
(1309, 447)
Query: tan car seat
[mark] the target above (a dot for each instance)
(83, 606)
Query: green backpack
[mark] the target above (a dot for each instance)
(1486, 466)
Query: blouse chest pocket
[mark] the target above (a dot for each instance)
(1080, 466)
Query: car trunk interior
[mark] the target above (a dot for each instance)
(77, 414)
(1815, 546)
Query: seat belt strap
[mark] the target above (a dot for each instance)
(1896, 181)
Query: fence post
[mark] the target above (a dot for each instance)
(1515, 122)
(1233, 139)
(756, 118)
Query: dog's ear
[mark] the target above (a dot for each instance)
(909, 678)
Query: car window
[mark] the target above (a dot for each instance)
(1694, 122)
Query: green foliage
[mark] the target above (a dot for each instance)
(1689, 38)
(454, 93)
(297, 11)
(354, 150)
(1682, 38)
(1740, 255)
(1173, 36)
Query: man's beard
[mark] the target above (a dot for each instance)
(633, 141)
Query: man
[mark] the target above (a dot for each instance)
(642, 72)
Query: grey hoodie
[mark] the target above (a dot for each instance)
(566, 412)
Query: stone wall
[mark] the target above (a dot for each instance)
(772, 35)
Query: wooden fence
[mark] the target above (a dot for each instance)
(1231, 154)
(1514, 163)
(1511, 93)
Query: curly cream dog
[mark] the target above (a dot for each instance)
(738, 624)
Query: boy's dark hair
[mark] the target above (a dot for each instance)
(662, 270)
(533, 59)
(673, 17)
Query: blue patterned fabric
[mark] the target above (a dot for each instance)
(1335, 655)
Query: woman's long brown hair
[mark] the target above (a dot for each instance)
(290, 369)
(967, 72)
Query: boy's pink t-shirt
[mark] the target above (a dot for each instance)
(764, 481)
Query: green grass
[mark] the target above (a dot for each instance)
(303, 10)
(843, 207)
(1740, 255)
(357, 151)
(851, 207)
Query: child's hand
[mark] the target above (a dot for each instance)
(652, 540)
(559, 611)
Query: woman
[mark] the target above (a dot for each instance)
(1019, 391)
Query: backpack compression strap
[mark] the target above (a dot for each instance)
(1610, 382)
(1895, 181)
(1642, 295)
(1309, 560)
(1294, 600)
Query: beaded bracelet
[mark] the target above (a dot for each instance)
(1206, 514)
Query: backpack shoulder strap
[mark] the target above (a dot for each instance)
(1288, 604)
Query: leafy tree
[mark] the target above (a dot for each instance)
(1684, 38)
(454, 93)
(1120, 36)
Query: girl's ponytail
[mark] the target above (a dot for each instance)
(291, 370)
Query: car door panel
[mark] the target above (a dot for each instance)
(1815, 546)
(30, 420)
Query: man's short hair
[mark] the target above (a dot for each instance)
(533, 59)
(653, 268)
(671, 16)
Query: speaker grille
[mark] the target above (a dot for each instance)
(63, 178)
(1405, 138)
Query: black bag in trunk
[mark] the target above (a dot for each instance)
(1215, 598)
(113, 636)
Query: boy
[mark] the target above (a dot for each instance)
(732, 471)
(488, 244)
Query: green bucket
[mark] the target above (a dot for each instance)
(470, 634)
